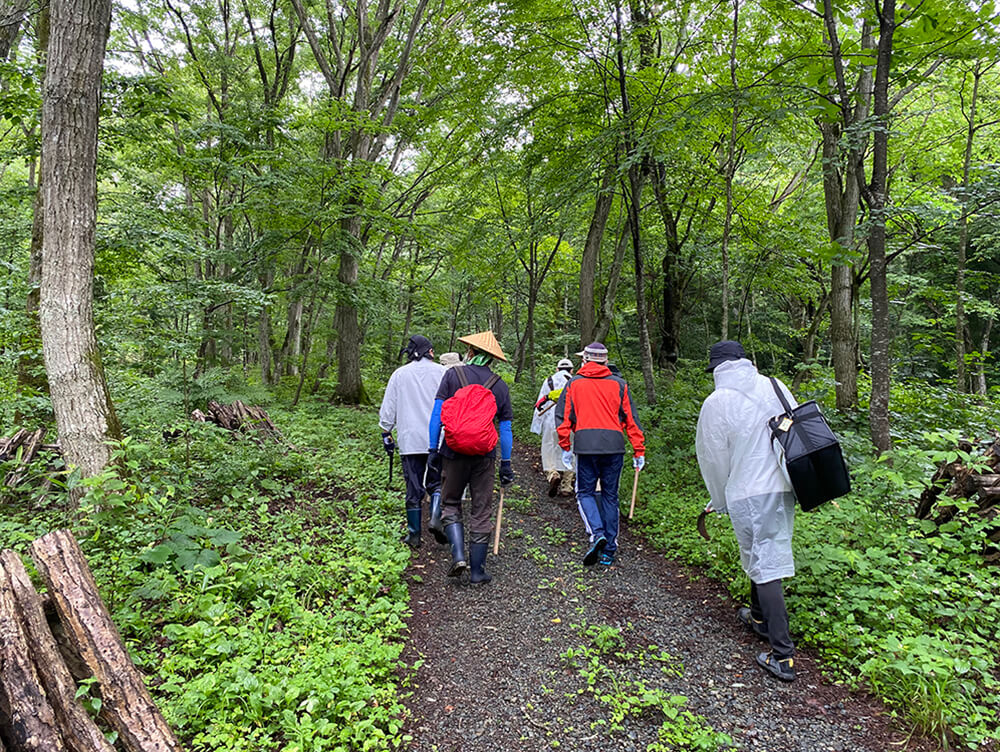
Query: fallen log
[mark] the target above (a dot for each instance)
(77, 728)
(237, 417)
(978, 481)
(9, 446)
(32, 444)
(25, 712)
(127, 706)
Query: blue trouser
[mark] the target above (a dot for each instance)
(599, 510)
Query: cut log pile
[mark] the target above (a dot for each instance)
(978, 481)
(39, 674)
(24, 446)
(238, 417)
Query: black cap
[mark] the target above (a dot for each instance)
(727, 349)
(418, 347)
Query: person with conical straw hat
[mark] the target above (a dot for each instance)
(469, 400)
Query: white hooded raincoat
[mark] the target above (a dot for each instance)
(741, 470)
(544, 423)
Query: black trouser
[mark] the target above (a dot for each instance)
(478, 474)
(767, 604)
(414, 467)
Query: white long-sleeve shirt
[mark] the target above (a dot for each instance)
(408, 402)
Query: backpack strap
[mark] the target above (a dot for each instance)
(463, 377)
(491, 381)
(781, 396)
(551, 383)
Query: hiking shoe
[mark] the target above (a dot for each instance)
(783, 668)
(607, 558)
(594, 553)
(757, 627)
(553, 485)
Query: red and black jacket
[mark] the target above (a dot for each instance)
(596, 407)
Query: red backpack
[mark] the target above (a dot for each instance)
(467, 417)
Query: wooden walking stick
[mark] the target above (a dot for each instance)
(635, 488)
(496, 533)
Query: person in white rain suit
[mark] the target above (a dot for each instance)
(543, 422)
(746, 482)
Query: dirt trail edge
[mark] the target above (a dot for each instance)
(495, 674)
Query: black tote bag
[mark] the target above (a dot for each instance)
(812, 455)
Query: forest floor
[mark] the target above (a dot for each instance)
(555, 655)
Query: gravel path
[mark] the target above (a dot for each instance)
(492, 672)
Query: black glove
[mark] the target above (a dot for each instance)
(388, 443)
(506, 473)
(434, 460)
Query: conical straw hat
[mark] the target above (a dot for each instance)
(486, 342)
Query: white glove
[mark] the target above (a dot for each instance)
(568, 460)
(639, 462)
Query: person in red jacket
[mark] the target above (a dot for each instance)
(595, 408)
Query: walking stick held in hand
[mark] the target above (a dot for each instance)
(388, 481)
(496, 533)
(635, 488)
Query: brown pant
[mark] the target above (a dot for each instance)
(478, 474)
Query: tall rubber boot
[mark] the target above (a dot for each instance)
(456, 536)
(477, 559)
(412, 537)
(435, 524)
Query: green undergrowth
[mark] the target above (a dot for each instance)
(617, 676)
(258, 586)
(904, 607)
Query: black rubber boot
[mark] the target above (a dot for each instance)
(477, 559)
(412, 537)
(435, 524)
(456, 536)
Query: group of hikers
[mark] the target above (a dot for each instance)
(451, 416)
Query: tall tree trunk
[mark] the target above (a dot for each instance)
(984, 349)
(607, 311)
(842, 179)
(876, 198)
(669, 269)
(730, 170)
(12, 15)
(84, 413)
(591, 254)
(350, 389)
(963, 238)
(30, 364)
(634, 202)
(264, 346)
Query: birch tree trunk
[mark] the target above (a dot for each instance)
(82, 405)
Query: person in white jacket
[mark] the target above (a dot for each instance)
(407, 406)
(745, 481)
(543, 422)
